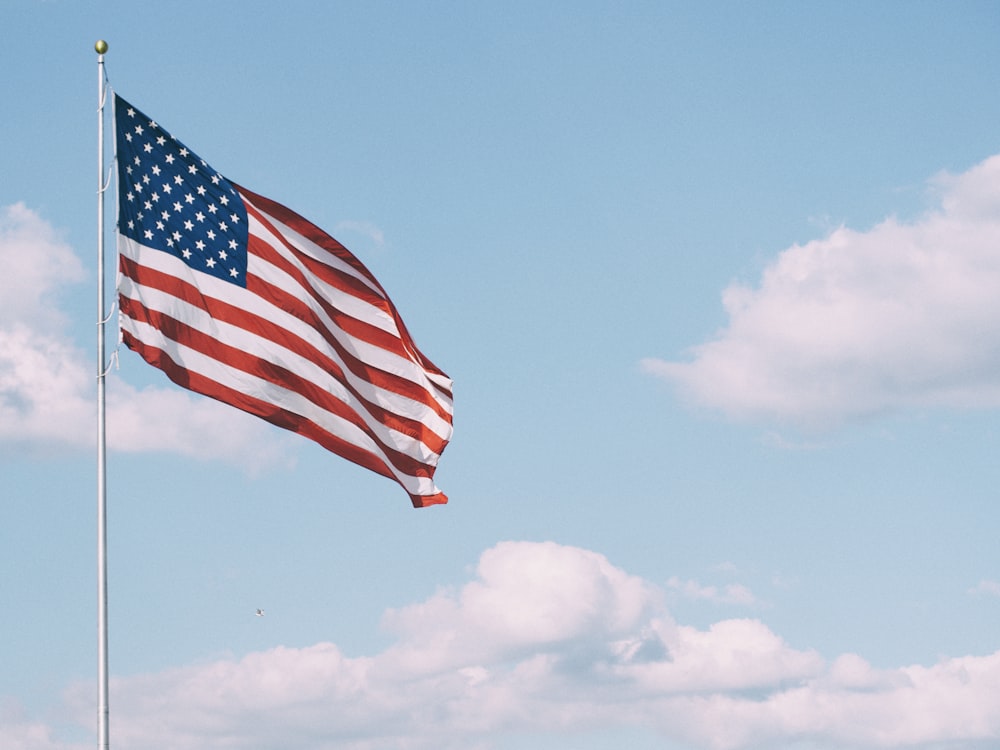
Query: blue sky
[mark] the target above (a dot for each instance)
(718, 287)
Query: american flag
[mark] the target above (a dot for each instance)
(239, 298)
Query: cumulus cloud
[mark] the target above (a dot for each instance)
(48, 386)
(525, 594)
(860, 323)
(154, 419)
(37, 263)
(549, 639)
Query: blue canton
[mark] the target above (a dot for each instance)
(171, 200)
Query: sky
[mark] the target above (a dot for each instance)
(718, 285)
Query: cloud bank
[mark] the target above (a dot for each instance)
(553, 640)
(48, 386)
(905, 315)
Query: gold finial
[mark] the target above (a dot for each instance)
(101, 47)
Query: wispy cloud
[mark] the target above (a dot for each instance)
(864, 322)
(987, 588)
(47, 384)
(550, 639)
(364, 228)
(731, 593)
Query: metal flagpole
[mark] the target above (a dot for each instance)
(102, 496)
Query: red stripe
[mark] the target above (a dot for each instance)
(176, 331)
(317, 236)
(264, 328)
(366, 332)
(361, 329)
(276, 416)
(423, 501)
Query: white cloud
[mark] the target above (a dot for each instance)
(48, 385)
(525, 595)
(37, 263)
(168, 420)
(859, 323)
(364, 228)
(19, 732)
(731, 593)
(548, 639)
(989, 588)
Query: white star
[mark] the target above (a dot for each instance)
(210, 262)
(200, 245)
(235, 218)
(189, 225)
(131, 112)
(234, 273)
(186, 253)
(177, 207)
(223, 226)
(211, 234)
(200, 216)
(224, 200)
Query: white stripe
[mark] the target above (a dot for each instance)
(224, 291)
(266, 391)
(344, 301)
(306, 246)
(388, 361)
(272, 351)
(310, 248)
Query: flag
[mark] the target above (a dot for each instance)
(238, 298)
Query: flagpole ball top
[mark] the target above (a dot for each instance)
(101, 47)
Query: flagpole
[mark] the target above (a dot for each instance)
(102, 500)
